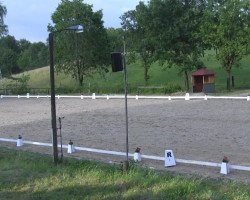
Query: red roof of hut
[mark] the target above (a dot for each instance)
(203, 72)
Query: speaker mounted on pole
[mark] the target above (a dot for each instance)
(117, 63)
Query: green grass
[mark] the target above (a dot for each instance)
(25, 175)
(159, 77)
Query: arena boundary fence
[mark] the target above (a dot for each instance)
(115, 153)
(137, 97)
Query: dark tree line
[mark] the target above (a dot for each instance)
(19, 55)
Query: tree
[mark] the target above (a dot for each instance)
(171, 26)
(226, 29)
(115, 38)
(8, 55)
(3, 27)
(33, 55)
(23, 44)
(80, 54)
(139, 40)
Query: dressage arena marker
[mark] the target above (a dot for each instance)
(100, 151)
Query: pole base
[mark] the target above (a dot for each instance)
(125, 166)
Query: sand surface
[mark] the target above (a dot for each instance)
(194, 130)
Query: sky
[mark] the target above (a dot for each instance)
(28, 19)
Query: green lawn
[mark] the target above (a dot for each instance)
(159, 77)
(25, 175)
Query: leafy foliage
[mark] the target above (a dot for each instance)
(3, 12)
(8, 55)
(166, 31)
(226, 29)
(80, 54)
(138, 38)
(115, 38)
(33, 56)
(17, 56)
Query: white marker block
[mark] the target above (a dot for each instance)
(224, 168)
(136, 97)
(28, 95)
(37, 97)
(137, 157)
(169, 158)
(71, 148)
(19, 142)
(107, 97)
(248, 98)
(205, 98)
(187, 97)
(81, 96)
(169, 98)
(93, 96)
(1, 96)
(18, 96)
(58, 96)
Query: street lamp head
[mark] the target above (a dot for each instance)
(76, 28)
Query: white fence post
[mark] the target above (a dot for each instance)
(187, 97)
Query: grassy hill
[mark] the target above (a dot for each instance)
(160, 76)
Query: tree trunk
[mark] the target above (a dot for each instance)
(80, 79)
(186, 81)
(146, 77)
(79, 75)
(229, 80)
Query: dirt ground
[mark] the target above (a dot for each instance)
(194, 130)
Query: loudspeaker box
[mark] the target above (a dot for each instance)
(117, 64)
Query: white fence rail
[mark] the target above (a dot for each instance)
(137, 97)
(115, 153)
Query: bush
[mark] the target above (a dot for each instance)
(171, 88)
(21, 85)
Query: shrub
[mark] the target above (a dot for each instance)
(170, 88)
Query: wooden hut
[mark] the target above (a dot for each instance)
(203, 81)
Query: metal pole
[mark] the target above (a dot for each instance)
(126, 102)
(60, 134)
(52, 93)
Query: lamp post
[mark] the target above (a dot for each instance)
(126, 102)
(76, 28)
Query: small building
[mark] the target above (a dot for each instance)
(203, 81)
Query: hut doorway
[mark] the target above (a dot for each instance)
(198, 84)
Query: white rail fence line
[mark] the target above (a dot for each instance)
(115, 153)
(137, 97)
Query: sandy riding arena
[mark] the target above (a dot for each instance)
(194, 130)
